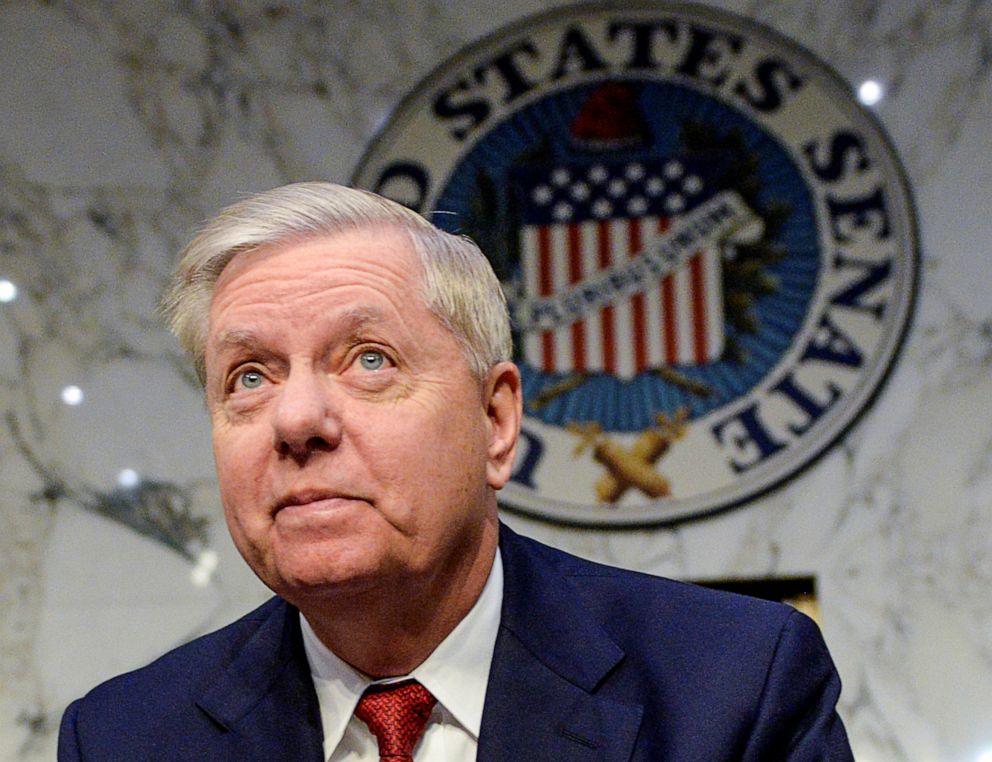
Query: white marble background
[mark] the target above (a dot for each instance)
(124, 123)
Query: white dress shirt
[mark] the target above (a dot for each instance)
(456, 673)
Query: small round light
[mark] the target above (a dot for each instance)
(8, 291)
(72, 395)
(985, 756)
(128, 478)
(870, 92)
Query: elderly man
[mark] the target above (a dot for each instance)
(356, 362)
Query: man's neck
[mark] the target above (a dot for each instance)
(391, 630)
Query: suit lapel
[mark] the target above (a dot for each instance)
(264, 699)
(550, 660)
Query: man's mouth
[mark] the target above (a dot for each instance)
(303, 501)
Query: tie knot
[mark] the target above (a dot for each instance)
(396, 714)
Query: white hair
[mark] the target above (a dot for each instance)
(458, 284)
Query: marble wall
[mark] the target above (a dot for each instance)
(126, 123)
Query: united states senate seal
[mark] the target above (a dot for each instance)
(708, 246)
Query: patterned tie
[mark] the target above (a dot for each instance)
(396, 714)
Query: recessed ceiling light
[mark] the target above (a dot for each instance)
(870, 92)
(72, 395)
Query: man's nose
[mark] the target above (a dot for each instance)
(306, 418)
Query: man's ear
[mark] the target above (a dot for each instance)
(504, 408)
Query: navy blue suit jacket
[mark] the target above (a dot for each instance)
(591, 663)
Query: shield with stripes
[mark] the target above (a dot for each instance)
(582, 228)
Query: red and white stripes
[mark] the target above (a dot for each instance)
(677, 322)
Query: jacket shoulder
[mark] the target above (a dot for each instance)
(601, 585)
(695, 632)
(756, 672)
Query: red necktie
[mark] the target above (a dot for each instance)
(396, 714)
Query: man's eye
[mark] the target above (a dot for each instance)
(371, 359)
(250, 379)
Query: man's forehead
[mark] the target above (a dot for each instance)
(297, 268)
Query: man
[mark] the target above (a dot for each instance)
(356, 363)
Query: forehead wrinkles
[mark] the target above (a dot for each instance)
(312, 270)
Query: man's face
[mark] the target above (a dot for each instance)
(353, 444)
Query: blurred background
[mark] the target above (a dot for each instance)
(126, 123)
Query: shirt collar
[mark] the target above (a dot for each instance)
(456, 672)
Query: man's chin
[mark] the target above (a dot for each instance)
(324, 577)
